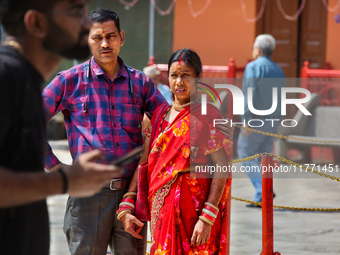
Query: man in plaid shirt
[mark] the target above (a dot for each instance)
(103, 109)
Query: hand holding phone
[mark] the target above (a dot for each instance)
(129, 157)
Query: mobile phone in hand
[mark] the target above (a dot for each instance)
(129, 157)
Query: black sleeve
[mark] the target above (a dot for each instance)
(9, 97)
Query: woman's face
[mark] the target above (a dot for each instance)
(179, 80)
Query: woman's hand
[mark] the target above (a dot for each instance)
(227, 130)
(132, 225)
(201, 233)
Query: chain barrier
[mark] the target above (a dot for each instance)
(291, 163)
(244, 159)
(287, 137)
(289, 207)
(294, 164)
(286, 161)
(305, 168)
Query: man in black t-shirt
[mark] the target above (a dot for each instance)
(39, 34)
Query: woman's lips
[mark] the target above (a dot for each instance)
(180, 90)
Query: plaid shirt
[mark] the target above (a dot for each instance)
(113, 121)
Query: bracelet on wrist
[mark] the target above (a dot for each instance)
(122, 213)
(208, 217)
(132, 206)
(212, 207)
(202, 218)
(129, 200)
(127, 204)
(210, 213)
(129, 194)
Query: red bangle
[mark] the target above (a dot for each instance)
(129, 200)
(122, 208)
(211, 209)
(126, 207)
(208, 217)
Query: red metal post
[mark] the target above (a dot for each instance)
(151, 61)
(232, 68)
(267, 164)
(304, 76)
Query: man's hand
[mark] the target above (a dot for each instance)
(227, 130)
(201, 233)
(132, 225)
(85, 177)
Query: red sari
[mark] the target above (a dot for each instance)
(176, 198)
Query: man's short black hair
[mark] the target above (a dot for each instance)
(101, 15)
(12, 13)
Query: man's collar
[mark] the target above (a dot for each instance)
(99, 71)
(265, 56)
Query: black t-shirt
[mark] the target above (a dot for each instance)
(23, 229)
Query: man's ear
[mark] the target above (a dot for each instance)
(36, 23)
(122, 37)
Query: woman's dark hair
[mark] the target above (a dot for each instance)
(190, 57)
(101, 15)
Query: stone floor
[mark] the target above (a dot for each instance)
(295, 232)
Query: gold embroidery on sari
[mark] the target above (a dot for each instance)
(158, 201)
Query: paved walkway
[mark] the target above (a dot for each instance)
(294, 232)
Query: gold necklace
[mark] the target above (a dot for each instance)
(160, 127)
(15, 45)
(180, 107)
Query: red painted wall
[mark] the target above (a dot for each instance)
(218, 34)
(333, 39)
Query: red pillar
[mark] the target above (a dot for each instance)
(304, 76)
(267, 164)
(151, 61)
(232, 69)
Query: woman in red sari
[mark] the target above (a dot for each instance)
(188, 210)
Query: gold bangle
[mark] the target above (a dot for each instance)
(213, 206)
(130, 194)
(122, 213)
(202, 218)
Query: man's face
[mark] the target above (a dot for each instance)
(68, 29)
(105, 41)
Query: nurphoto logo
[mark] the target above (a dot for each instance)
(279, 99)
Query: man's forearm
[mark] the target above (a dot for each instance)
(22, 188)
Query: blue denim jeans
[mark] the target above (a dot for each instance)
(256, 143)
